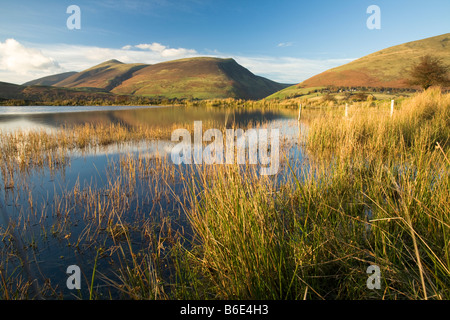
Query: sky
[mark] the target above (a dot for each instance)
(284, 40)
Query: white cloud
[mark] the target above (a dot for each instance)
(19, 64)
(77, 58)
(18, 61)
(285, 44)
(165, 51)
(152, 47)
(172, 53)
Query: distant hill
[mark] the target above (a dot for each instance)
(50, 80)
(386, 68)
(106, 75)
(202, 78)
(9, 91)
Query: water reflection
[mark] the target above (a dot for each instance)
(12, 118)
(58, 205)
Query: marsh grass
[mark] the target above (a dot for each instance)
(376, 194)
(241, 228)
(397, 168)
(375, 191)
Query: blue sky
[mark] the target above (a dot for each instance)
(287, 41)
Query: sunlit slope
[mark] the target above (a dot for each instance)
(386, 68)
(50, 80)
(201, 78)
(195, 78)
(106, 75)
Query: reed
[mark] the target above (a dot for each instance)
(376, 194)
(240, 226)
(374, 191)
(400, 181)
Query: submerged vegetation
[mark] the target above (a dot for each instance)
(374, 191)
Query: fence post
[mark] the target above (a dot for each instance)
(299, 111)
(346, 110)
(392, 107)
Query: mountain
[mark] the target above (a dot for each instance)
(202, 78)
(106, 75)
(386, 68)
(50, 80)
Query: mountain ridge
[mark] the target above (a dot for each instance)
(49, 80)
(188, 78)
(386, 68)
(106, 75)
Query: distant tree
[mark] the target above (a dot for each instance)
(359, 96)
(429, 71)
(328, 98)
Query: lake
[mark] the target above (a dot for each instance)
(53, 208)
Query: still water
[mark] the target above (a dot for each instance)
(47, 244)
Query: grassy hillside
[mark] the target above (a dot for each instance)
(106, 75)
(196, 78)
(10, 91)
(386, 68)
(50, 80)
(295, 91)
(201, 78)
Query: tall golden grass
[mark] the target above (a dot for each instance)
(375, 191)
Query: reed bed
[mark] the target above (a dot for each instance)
(396, 171)
(374, 192)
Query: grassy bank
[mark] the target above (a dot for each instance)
(379, 196)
